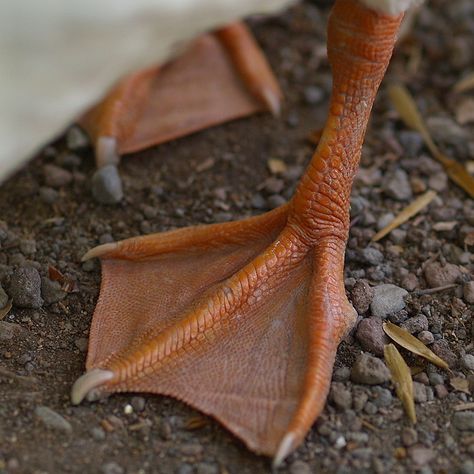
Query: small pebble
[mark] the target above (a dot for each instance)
(371, 256)
(81, 343)
(416, 324)
(28, 247)
(369, 370)
(468, 361)
(441, 391)
(438, 181)
(313, 95)
(340, 396)
(397, 185)
(468, 292)
(410, 282)
(441, 349)
(98, 433)
(112, 468)
(426, 337)
(435, 378)
(467, 467)
(51, 291)
(387, 299)
(361, 296)
(25, 288)
(419, 392)
(107, 185)
(383, 397)
(464, 420)
(8, 331)
(409, 437)
(207, 468)
(48, 195)
(371, 335)
(342, 374)
(52, 419)
(185, 469)
(55, 176)
(138, 403)
(421, 456)
(3, 298)
(441, 275)
(300, 467)
(76, 138)
(275, 200)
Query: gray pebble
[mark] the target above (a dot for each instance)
(426, 337)
(441, 391)
(421, 456)
(51, 291)
(76, 138)
(340, 396)
(112, 468)
(438, 181)
(3, 298)
(48, 195)
(55, 176)
(98, 433)
(275, 200)
(419, 392)
(28, 247)
(313, 95)
(411, 142)
(25, 288)
(441, 349)
(206, 468)
(371, 256)
(369, 370)
(185, 469)
(383, 397)
(468, 292)
(409, 437)
(138, 403)
(342, 374)
(52, 419)
(370, 408)
(10, 330)
(467, 467)
(464, 420)
(468, 361)
(440, 275)
(397, 186)
(361, 296)
(274, 185)
(387, 299)
(107, 185)
(300, 467)
(384, 220)
(371, 335)
(435, 378)
(81, 343)
(416, 324)
(258, 202)
(398, 236)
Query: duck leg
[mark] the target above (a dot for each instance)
(242, 320)
(221, 77)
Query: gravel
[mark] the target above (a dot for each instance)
(25, 288)
(369, 370)
(437, 274)
(361, 296)
(416, 324)
(468, 361)
(56, 177)
(107, 185)
(371, 335)
(387, 299)
(53, 420)
(426, 337)
(340, 396)
(464, 420)
(397, 186)
(409, 437)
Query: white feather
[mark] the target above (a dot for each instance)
(60, 56)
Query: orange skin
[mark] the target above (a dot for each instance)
(242, 320)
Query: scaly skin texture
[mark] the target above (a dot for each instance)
(242, 320)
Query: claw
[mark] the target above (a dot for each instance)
(285, 448)
(87, 382)
(106, 151)
(271, 100)
(99, 251)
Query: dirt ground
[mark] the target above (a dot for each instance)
(222, 174)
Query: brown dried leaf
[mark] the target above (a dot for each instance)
(401, 378)
(465, 84)
(409, 113)
(411, 343)
(6, 309)
(407, 213)
(460, 384)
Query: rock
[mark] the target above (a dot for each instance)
(371, 256)
(258, 201)
(107, 185)
(409, 437)
(441, 391)
(426, 337)
(185, 469)
(275, 200)
(313, 95)
(300, 467)
(207, 468)
(468, 292)
(8, 331)
(410, 282)
(51, 291)
(3, 298)
(467, 467)
(416, 324)
(48, 195)
(441, 275)
(81, 343)
(52, 419)
(383, 397)
(421, 456)
(98, 433)
(371, 335)
(138, 403)
(112, 468)
(342, 374)
(28, 247)
(468, 361)
(76, 138)
(464, 420)
(340, 396)
(441, 349)
(361, 296)
(25, 288)
(369, 370)
(419, 392)
(435, 378)
(397, 185)
(438, 181)
(387, 299)
(55, 176)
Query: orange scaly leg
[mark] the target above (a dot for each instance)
(221, 77)
(242, 320)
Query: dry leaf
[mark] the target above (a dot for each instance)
(444, 226)
(411, 343)
(464, 406)
(409, 113)
(460, 384)
(416, 206)
(401, 378)
(6, 309)
(276, 166)
(465, 83)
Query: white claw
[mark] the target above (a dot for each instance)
(87, 382)
(99, 251)
(272, 101)
(285, 448)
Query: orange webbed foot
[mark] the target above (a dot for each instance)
(220, 77)
(240, 320)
